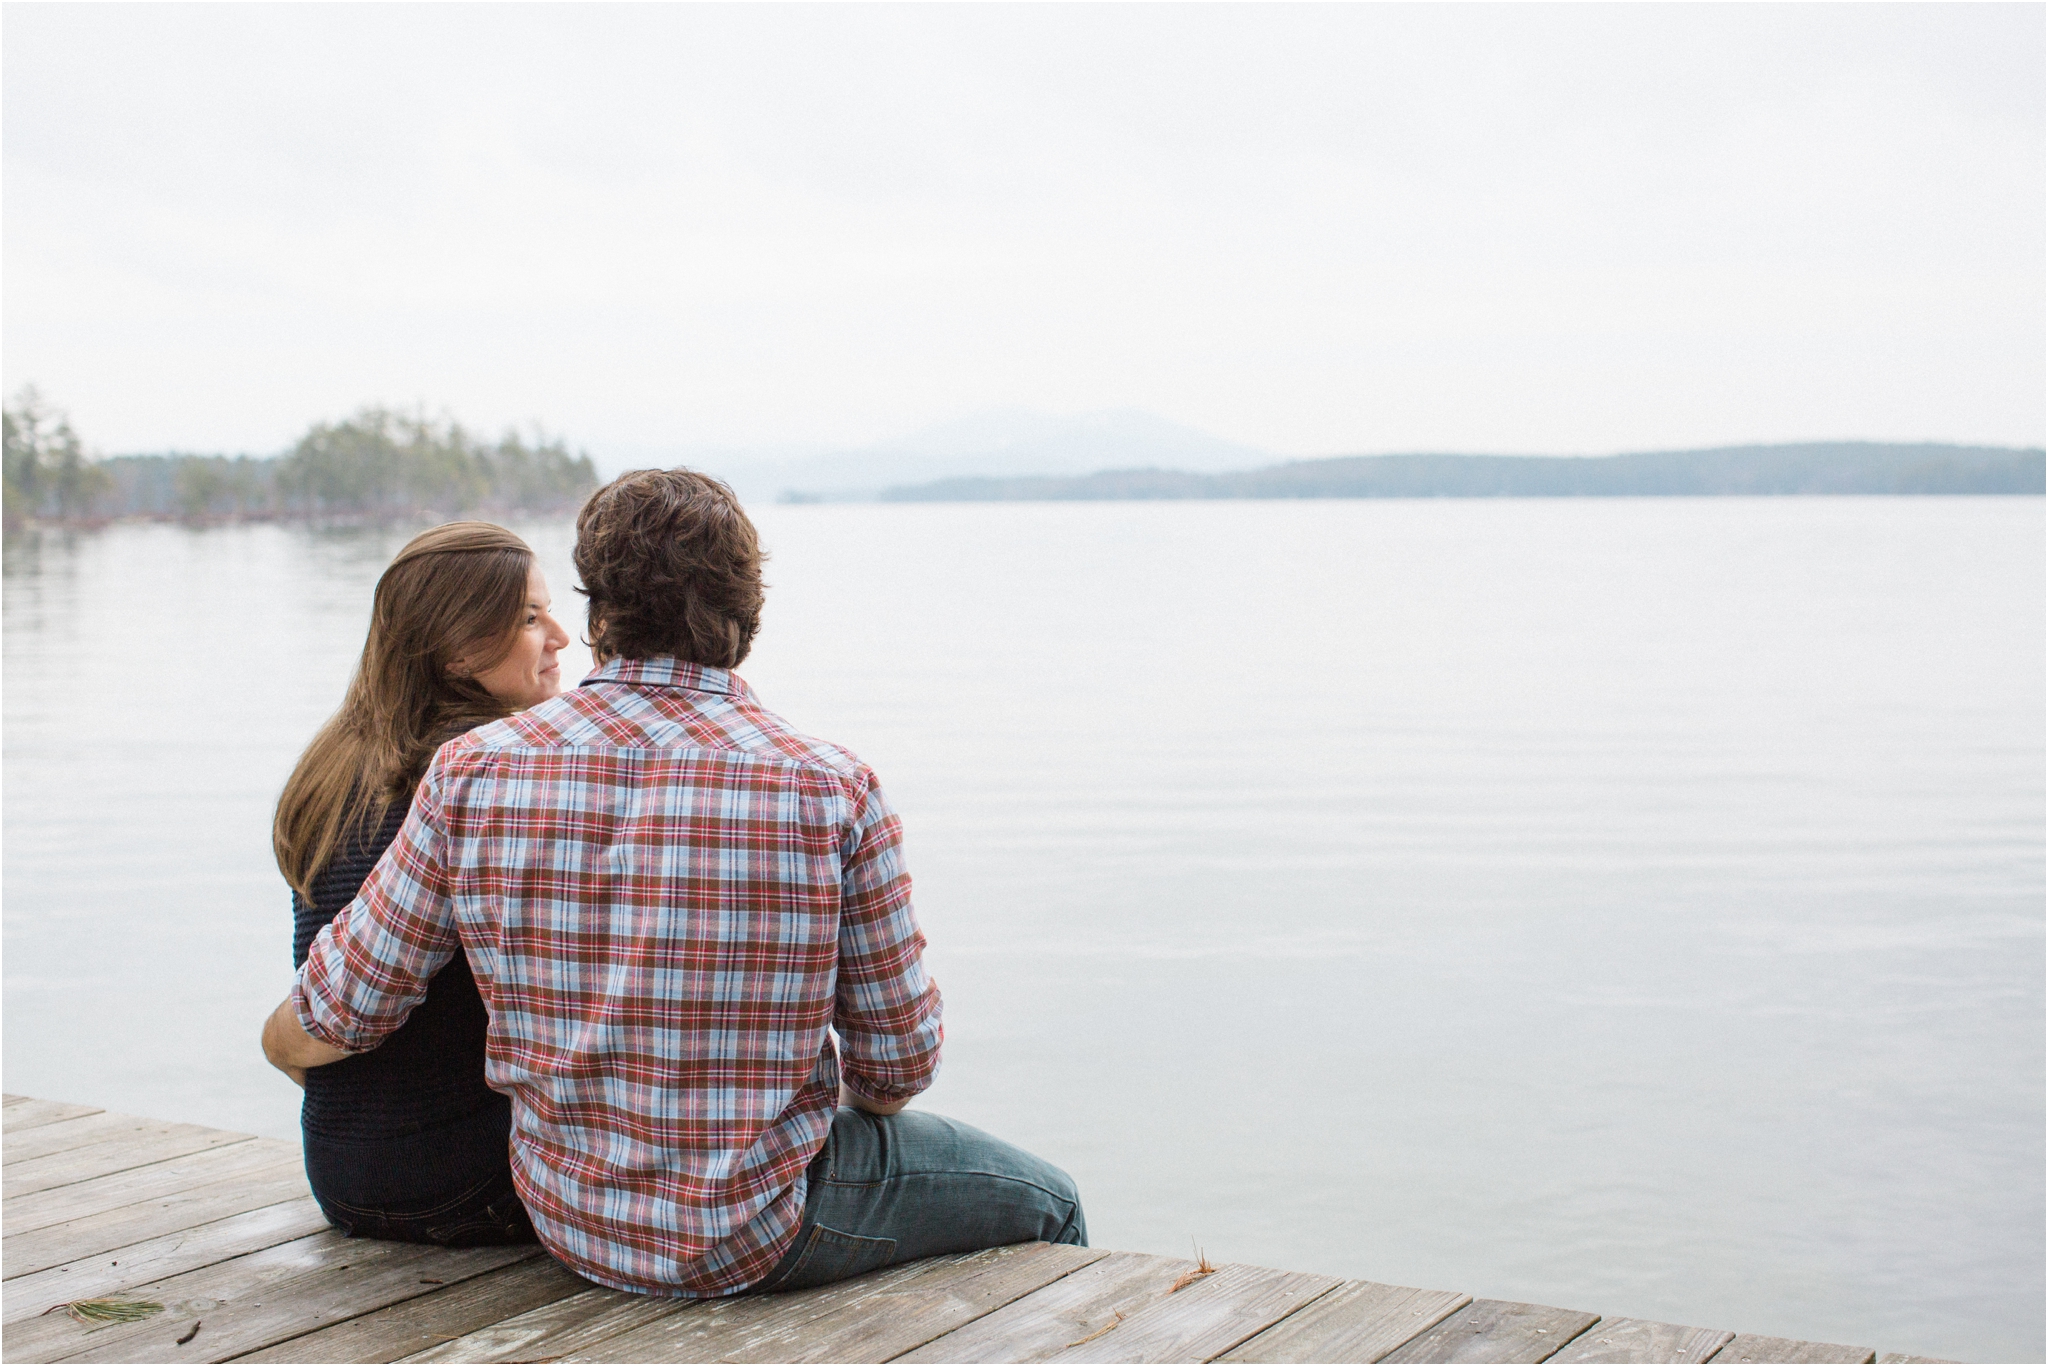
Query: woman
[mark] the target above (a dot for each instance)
(406, 1141)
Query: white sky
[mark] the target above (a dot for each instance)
(1320, 230)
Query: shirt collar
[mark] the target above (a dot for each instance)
(666, 671)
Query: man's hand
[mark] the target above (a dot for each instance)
(848, 1096)
(290, 1049)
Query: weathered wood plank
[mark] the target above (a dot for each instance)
(1901, 1359)
(56, 1244)
(262, 1299)
(166, 1255)
(233, 1279)
(291, 1308)
(1205, 1319)
(1079, 1305)
(715, 1330)
(432, 1319)
(1358, 1321)
(29, 1113)
(143, 1148)
(1643, 1340)
(933, 1304)
(12, 1099)
(553, 1331)
(101, 1194)
(1757, 1347)
(44, 1139)
(1497, 1330)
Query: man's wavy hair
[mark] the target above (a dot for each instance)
(672, 566)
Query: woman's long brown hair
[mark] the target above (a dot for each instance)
(457, 589)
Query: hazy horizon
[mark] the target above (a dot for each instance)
(926, 440)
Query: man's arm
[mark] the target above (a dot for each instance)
(368, 968)
(887, 1013)
(290, 1049)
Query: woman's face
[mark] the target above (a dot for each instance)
(530, 674)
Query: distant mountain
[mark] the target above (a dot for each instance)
(997, 444)
(1810, 468)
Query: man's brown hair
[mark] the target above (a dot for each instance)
(671, 566)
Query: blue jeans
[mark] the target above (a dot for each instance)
(914, 1184)
(451, 1184)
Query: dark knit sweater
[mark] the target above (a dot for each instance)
(430, 1070)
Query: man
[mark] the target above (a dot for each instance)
(692, 928)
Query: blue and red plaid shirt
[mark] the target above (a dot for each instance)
(672, 903)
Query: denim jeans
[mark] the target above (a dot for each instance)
(914, 1184)
(451, 1184)
(486, 1214)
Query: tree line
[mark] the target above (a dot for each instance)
(380, 464)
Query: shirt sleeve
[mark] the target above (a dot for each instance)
(887, 1012)
(366, 970)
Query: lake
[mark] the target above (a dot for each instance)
(1634, 905)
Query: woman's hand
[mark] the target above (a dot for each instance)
(849, 1096)
(290, 1049)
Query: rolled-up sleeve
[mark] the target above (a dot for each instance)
(887, 1011)
(367, 969)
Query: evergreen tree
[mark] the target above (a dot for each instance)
(379, 465)
(384, 463)
(45, 467)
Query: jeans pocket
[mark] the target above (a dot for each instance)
(499, 1223)
(485, 1214)
(830, 1255)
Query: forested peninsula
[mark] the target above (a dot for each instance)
(379, 465)
(1815, 468)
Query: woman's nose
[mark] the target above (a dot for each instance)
(558, 636)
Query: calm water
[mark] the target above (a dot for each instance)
(1630, 905)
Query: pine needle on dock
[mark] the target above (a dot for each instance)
(108, 1311)
(1077, 1342)
(1202, 1268)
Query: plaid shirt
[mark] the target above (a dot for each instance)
(672, 902)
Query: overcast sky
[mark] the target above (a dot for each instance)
(1316, 230)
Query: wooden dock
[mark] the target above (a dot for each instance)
(219, 1229)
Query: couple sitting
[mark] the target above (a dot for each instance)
(632, 968)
